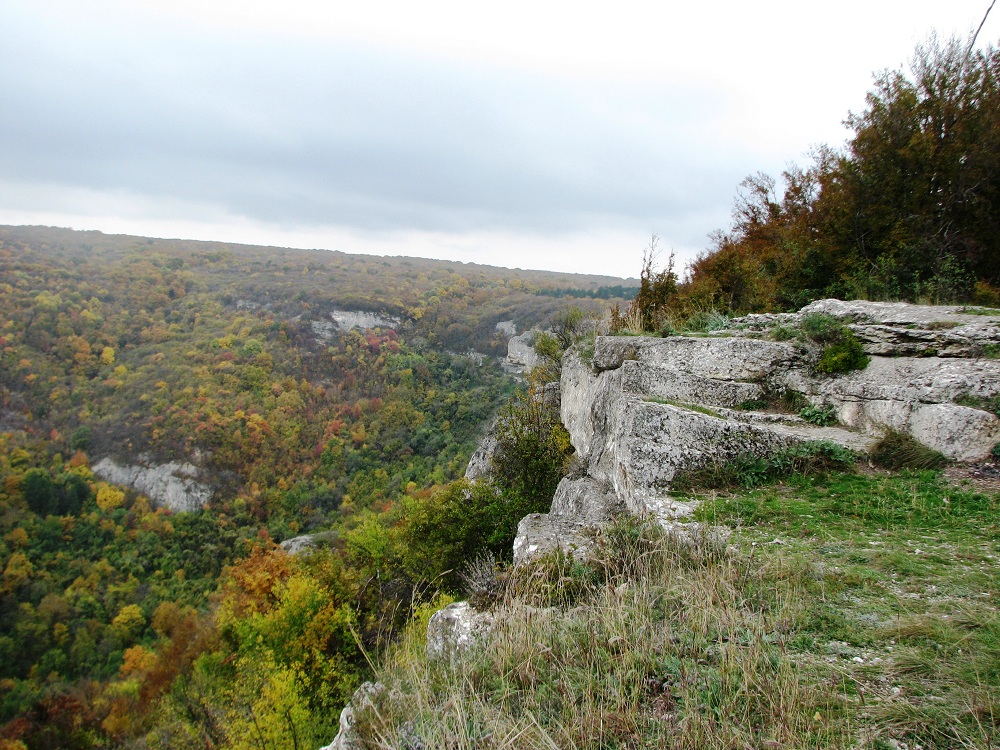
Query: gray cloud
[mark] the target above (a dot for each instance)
(309, 133)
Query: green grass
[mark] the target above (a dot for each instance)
(980, 310)
(897, 450)
(752, 471)
(991, 404)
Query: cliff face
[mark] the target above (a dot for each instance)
(172, 485)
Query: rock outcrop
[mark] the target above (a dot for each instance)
(521, 355)
(171, 485)
(454, 629)
(642, 410)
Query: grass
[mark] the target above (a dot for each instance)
(752, 471)
(991, 405)
(683, 405)
(980, 310)
(848, 611)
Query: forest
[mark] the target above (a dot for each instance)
(124, 623)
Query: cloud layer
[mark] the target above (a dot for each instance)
(114, 115)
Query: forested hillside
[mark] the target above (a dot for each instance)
(121, 622)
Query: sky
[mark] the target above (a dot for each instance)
(545, 135)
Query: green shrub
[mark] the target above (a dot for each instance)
(897, 450)
(996, 452)
(842, 356)
(533, 448)
(782, 333)
(753, 405)
(842, 352)
(822, 328)
(819, 415)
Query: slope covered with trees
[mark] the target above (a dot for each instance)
(121, 622)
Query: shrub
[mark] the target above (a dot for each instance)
(532, 450)
(842, 356)
(822, 328)
(996, 452)
(897, 450)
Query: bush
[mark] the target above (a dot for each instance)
(822, 328)
(842, 352)
(533, 449)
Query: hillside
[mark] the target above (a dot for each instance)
(244, 372)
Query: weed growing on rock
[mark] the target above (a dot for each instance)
(824, 416)
(841, 352)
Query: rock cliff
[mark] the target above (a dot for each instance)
(171, 485)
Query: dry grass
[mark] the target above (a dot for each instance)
(665, 644)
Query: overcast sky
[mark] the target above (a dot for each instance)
(524, 134)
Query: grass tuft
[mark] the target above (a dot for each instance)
(897, 450)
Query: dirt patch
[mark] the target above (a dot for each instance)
(983, 477)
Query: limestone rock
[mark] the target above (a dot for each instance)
(171, 485)
(481, 460)
(521, 352)
(364, 697)
(306, 542)
(916, 396)
(891, 313)
(452, 630)
(506, 328)
(577, 395)
(299, 544)
(345, 320)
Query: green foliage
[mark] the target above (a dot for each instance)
(824, 416)
(841, 351)
(897, 450)
(80, 439)
(842, 356)
(649, 310)
(532, 448)
(823, 328)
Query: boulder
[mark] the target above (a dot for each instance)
(347, 737)
(454, 629)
